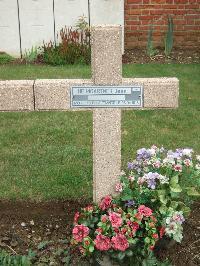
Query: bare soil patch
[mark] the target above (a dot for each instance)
(178, 56)
(25, 225)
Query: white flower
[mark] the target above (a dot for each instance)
(187, 152)
(172, 228)
(169, 161)
(197, 166)
(123, 173)
(198, 158)
(164, 179)
(152, 151)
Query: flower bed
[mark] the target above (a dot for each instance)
(154, 198)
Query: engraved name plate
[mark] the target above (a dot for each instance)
(106, 96)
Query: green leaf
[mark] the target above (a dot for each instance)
(163, 209)
(121, 255)
(174, 180)
(126, 194)
(186, 210)
(91, 249)
(191, 191)
(129, 253)
(176, 188)
(43, 244)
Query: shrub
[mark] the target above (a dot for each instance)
(5, 58)
(154, 197)
(31, 55)
(73, 48)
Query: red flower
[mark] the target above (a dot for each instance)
(79, 232)
(151, 247)
(116, 230)
(143, 210)
(99, 230)
(162, 231)
(102, 242)
(76, 216)
(138, 216)
(123, 230)
(119, 242)
(104, 218)
(134, 226)
(155, 236)
(87, 243)
(89, 208)
(152, 225)
(105, 203)
(153, 218)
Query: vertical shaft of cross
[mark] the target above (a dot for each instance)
(106, 70)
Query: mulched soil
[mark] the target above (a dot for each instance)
(178, 56)
(139, 56)
(25, 225)
(28, 225)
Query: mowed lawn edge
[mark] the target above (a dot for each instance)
(48, 155)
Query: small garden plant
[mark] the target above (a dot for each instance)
(154, 198)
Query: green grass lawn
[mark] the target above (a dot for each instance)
(45, 155)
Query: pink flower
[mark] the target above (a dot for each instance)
(104, 218)
(105, 203)
(131, 178)
(79, 232)
(119, 242)
(143, 210)
(157, 164)
(76, 216)
(178, 168)
(118, 187)
(187, 162)
(141, 180)
(102, 242)
(115, 219)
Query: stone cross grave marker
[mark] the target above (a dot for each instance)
(107, 70)
(106, 73)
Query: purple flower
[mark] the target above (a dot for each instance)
(133, 165)
(175, 155)
(151, 183)
(130, 165)
(151, 179)
(143, 154)
(130, 203)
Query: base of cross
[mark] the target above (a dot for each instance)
(51, 95)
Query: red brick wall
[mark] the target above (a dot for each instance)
(139, 14)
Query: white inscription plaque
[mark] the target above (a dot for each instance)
(106, 96)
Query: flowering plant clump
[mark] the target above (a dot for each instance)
(152, 201)
(164, 180)
(109, 228)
